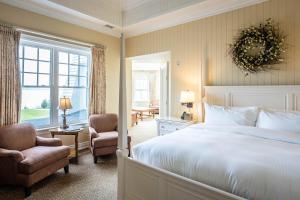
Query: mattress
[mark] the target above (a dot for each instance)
(250, 162)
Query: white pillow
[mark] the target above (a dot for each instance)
(220, 115)
(279, 120)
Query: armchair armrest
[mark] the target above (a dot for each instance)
(9, 160)
(41, 141)
(17, 156)
(93, 133)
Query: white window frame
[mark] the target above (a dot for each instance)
(56, 47)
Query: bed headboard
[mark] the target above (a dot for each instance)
(283, 97)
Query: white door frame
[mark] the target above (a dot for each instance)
(164, 90)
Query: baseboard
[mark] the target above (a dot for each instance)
(81, 145)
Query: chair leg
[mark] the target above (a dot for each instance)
(27, 191)
(129, 150)
(95, 159)
(66, 169)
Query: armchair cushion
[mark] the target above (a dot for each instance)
(41, 141)
(17, 137)
(107, 139)
(40, 156)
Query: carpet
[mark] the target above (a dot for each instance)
(86, 180)
(145, 130)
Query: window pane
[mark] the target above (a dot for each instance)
(73, 81)
(142, 84)
(30, 52)
(63, 69)
(74, 59)
(141, 96)
(21, 52)
(83, 71)
(43, 80)
(30, 79)
(35, 106)
(21, 64)
(63, 57)
(82, 82)
(44, 54)
(79, 104)
(44, 67)
(30, 66)
(83, 60)
(63, 81)
(73, 70)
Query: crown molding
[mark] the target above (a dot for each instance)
(192, 12)
(187, 14)
(65, 14)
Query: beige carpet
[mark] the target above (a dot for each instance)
(86, 180)
(145, 130)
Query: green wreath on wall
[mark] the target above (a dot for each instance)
(258, 48)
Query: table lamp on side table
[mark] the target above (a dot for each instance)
(187, 98)
(64, 105)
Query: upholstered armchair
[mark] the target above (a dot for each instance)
(26, 158)
(103, 134)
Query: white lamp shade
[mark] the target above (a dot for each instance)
(187, 97)
(65, 103)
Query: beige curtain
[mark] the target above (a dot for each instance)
(10, 88)
(97, 82)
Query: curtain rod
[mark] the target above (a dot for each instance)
(50, 36)
(57, 38)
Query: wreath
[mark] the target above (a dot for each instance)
(258, 48)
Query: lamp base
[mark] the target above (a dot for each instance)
(65, 125)
(187, 116)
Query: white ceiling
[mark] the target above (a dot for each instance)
(133, 17)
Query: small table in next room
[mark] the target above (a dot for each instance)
(73, 132)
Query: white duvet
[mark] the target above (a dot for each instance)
(250, 162)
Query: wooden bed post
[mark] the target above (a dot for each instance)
(122, 151)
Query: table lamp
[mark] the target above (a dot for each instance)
(64, 105)
(187, 98)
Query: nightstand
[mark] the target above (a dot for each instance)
(70, 131)
(166, 125)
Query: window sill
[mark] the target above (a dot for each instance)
(41, 131)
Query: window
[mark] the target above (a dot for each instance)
(73, 79)
(141, 92)
(49, 72)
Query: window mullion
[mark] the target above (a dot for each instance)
(54, 88)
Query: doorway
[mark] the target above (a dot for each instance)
(148, 96)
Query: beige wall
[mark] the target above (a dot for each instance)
(203, 44)
(26, 19)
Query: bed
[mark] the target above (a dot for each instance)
(160, 169)
(247, 161)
